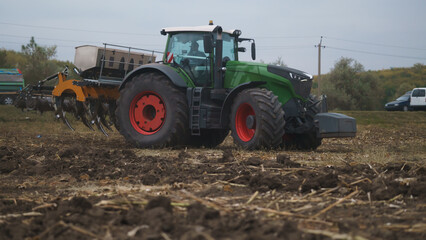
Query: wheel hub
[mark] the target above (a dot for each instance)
(147, 113)
(245, 122)
(250, 122)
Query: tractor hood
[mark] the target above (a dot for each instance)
(301, 81)
(284, 82)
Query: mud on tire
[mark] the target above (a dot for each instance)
(257, 119)
(307, 140)
(209, 138)
(152, 112)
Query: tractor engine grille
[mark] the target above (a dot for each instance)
(301, 81)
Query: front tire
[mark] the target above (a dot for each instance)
(307, 140)
(257, 119)
(152, 112)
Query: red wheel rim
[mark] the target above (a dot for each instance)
(244, 133)
(147, 113)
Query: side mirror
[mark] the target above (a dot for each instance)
(253, 51)
(208, 43)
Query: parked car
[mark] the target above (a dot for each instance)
(418, 99)
(400, 104)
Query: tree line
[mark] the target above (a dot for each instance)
(36, 62)
(348, 85)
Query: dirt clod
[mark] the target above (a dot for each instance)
(254, 161)
(285, 160)
(160, 202)
(227, 156)
(329, 180)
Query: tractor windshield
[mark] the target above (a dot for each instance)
(186, 49)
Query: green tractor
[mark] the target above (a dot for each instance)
(200, 91)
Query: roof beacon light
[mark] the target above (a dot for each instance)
(211, 22)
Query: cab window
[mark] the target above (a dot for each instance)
(188, 54)
(228, 47)
(419, 93)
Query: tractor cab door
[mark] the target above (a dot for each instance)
(186, 49)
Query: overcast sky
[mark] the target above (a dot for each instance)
(379, 34)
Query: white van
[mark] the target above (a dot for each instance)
(418, 99)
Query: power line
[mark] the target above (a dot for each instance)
(285, 37)
(284, 47)
(376, 44)
(157, 35)
(1, 41)
(75, 29)
(67, 40)
(53, 39)
(375, 53)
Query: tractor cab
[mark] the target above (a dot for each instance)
(195, 51)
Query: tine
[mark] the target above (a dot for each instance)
(74, 106)
(100, 127)
(89, 112)
(67, 123)
(57, 106)
(82, 115)
(94, 108)
(60, 113)
(65, 120)
(102, 113)
(111, 111)
(86, 122)
(104, 122)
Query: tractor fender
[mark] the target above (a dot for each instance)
(157, 67)
(227, 104)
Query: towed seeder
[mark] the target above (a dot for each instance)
(91, 99)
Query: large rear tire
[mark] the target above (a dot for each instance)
(152, 112)
(257, 119)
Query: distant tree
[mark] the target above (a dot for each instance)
(358, 88)
(403, 88)
(418, 67)
(38, 65)
(279, 62)
(3, 59)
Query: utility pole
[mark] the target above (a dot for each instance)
(319, 46)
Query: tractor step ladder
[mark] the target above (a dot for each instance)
(195, 111)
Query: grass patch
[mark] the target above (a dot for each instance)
(388, 119)
(13, 119)
(10, 114)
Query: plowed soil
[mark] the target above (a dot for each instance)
(58, 184)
